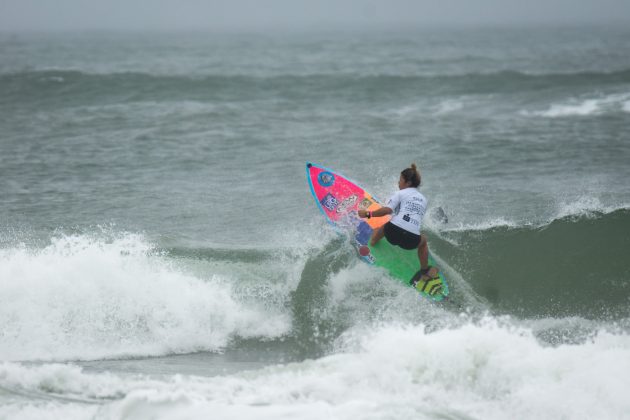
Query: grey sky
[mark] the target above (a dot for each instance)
(43, 15)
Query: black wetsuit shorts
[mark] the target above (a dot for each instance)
(398, 236)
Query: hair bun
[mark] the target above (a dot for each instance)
(411, 175)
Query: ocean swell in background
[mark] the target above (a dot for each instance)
(38, 87)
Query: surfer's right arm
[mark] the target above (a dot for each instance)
(383, 211)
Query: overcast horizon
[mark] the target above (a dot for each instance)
(218, 15)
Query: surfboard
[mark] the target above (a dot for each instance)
(339, 198)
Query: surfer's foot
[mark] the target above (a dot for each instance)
(424, 275)
(429, 273)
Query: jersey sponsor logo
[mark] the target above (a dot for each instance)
(365, 204)
(414, 206)
(407, 218)
(346, 203)
(326, 179)
(329, 201)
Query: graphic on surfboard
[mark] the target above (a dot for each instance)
(338, 198)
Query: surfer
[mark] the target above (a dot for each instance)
(408, 206)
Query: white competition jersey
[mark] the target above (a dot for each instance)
(409, 206)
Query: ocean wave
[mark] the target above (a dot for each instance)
(497, 222)
(587, 206)
(440, 108)
(61, 75)
(83, 298)
(63, 381)
(582, 207)
(619, 102)
(572, 266)
(486, 370)
(448, 106)
(34, 85)
(149, 111)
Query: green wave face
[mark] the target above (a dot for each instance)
(574, 266)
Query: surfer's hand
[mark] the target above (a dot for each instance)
(362, 213)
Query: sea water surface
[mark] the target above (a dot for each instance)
(161, 255)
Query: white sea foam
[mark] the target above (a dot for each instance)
(86, 298)
(444, 107)
(403, 372)
(585, 107)
(487, 370)
(586, 206)
(46, 411)
(62, 380)
(54, 79)
(404, 111)
(448, 106)
(494, 223)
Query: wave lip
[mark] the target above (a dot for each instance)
(82, 298)
(587, 206)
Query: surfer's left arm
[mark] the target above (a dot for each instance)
(383, 211)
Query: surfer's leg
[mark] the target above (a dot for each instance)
(423, 252)
(377, 235)
(428, 272)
